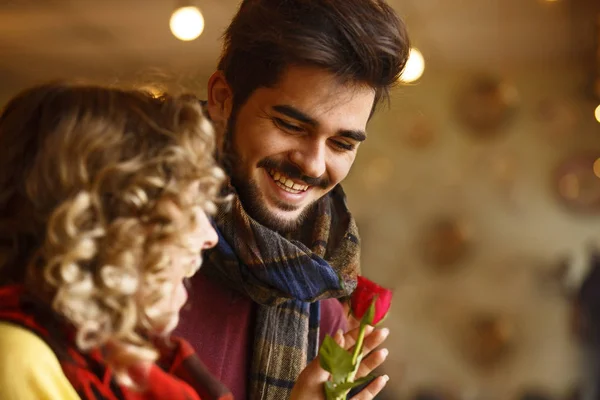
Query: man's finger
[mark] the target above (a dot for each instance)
(372, 389)
(351, 336)
(372, 340)
(339, 338)
(313, 373)
(372, 361)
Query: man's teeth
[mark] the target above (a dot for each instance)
(286, 183)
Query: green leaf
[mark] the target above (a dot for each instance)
(369, 316)
(333, 393)
(349, 385)
(335, 360)
(339, 391)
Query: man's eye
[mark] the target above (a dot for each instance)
(344, 145)
(287, 126)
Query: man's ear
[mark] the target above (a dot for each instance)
(220, 98)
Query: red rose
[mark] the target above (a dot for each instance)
(366, 294)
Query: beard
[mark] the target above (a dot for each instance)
(249, 192)
(255, 207)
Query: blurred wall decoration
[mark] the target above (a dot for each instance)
(558, 118)
(419, 131)
(488, 339)
(486, 104)
(445, 243)
(578, 182)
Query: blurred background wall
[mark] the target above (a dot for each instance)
(477, 192)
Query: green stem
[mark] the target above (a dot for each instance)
(357, 351)
(359, 343)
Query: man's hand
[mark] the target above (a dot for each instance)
(309, 385)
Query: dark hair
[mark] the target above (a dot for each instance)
(360, 41)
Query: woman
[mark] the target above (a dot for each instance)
(104, 196)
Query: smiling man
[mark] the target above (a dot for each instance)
(297, 82)
(292, 143)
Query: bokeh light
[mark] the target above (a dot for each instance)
(187, 23)
(414, 67)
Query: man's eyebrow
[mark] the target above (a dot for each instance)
(359, 136)
(296, 114)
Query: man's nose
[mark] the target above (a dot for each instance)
(310, 158)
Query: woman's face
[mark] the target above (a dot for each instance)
(185, 256)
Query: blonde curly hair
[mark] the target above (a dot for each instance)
(82, 170)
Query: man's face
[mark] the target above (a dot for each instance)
(294, 142)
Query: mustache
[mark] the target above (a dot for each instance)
(293, 171)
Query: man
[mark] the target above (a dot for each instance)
(296, 84)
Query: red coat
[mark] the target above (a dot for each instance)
(179, 374)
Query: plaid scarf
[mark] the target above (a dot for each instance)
(286, 276)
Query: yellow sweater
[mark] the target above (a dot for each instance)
(29, 370)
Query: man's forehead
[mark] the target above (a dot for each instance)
(318, 85)
(318, 101)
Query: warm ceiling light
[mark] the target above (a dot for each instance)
(597, 113)
(414, 66)
(187, 23)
